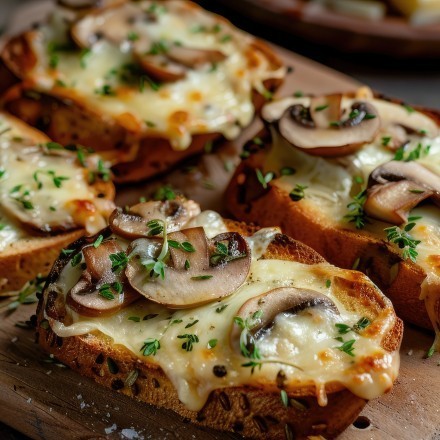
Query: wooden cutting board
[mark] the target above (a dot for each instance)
(46, 401)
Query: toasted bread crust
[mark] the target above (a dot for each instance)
(250, 411)
(29, 257)
(399, 279)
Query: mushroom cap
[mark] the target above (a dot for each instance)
(201, 282)
(314, 125)
(396, 187)
(392, 201)
(274, 302)
(85, 297)
(176, 213)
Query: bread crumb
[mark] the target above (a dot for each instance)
(111, 429)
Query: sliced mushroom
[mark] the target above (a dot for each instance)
(161, 67)
(392, 202)
(113, 24)
(192, 57)
(98, 262)
(283, 299)
(95, 293)
(396, 187)
(126, 24)
(199, 283)
(176, 213)
(87, 300)
(413, 121)
(307, 124)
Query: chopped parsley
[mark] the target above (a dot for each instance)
(356, 212)
(57, 180)
(201, 277)
(264, 179)
(119, 261)
(347, 346)
(21, 196)
(98, 241)
(150, 347)
(320, 108)
(164, 193)
(191, 323)
(190, 340)
(418, 152)
(404, 240)
(360, 325)
(297, 192)
(221, 308)
(184, 246)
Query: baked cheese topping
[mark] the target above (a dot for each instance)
(197, 355)
(43, 188)
(211, 97)
(332, 183)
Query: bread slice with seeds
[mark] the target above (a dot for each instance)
(139, 314)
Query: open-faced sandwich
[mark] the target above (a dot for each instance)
(233, 328)
(146, 82)
(49, 196)
(357, 178)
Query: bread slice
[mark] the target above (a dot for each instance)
(37, 217)
(253, 408)
(322, 216)
(145, 97)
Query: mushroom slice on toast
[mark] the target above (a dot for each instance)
(322, 127)
(193, 277)
(396, 187)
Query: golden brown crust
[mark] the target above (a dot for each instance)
(251, 411)
(28, 257)
(400, 280)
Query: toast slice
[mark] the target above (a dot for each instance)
(336, 192)
(47, 199)
(172, 79)
(195, 328)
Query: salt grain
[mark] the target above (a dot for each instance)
(111, 429)
(131, 434)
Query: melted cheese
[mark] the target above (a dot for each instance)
(301, 345)
(42, 190)
(210, 99)
(331, 187)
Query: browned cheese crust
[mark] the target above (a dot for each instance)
(253, 412)
(399, 279)
(67, 119)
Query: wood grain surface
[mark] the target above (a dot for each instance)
(44, 400)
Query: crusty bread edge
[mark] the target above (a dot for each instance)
(250, 411)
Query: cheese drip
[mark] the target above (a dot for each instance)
(301, 345)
